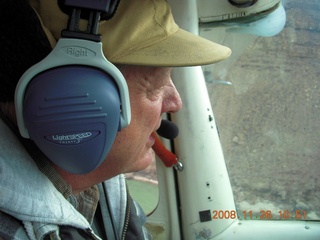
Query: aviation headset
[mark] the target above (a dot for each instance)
(74, 101)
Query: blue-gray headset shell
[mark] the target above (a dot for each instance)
(72, 103)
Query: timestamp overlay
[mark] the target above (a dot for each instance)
(298, 214)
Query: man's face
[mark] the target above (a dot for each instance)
(151, 94)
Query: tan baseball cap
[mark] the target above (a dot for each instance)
(142, 32)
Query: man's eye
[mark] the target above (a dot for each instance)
(154, 93)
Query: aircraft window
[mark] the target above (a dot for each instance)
(143, 187)
(266, 101)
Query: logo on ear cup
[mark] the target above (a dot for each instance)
(72, 138)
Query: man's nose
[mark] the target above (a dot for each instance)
(172, 101)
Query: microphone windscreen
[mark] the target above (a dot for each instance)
(168, 129)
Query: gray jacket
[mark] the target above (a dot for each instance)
(32, 208)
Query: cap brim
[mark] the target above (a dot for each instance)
(181, 49)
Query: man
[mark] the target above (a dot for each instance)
(39, 199)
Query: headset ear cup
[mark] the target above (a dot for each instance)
(73, 115)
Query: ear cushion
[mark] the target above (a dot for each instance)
(73, 114)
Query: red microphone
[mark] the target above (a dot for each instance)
(170, 131)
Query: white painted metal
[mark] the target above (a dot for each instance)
(221, 10)
(204, 183)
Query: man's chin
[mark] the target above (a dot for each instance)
(143, 162)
